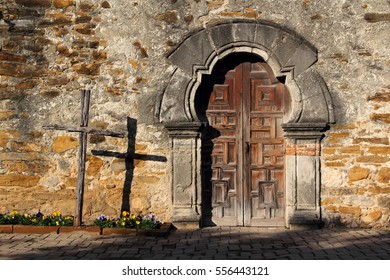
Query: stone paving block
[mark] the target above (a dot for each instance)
(210, 252)
(232, 256)
(269, 255)
(160, 256)
(321, 258)
(99, 250)
(295, 257)
(256, 257)
(293, 250)
(202, 247)
(326, 245)
(223, 249)
(245, 254)
(213, 246)
(282, 252)
(245, 247)
(220, 256)
(233, 247)
(114, 255)
(170, 258)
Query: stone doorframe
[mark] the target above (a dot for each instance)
(291, 58)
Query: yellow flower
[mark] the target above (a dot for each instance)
(125, 213)
(34, 220)
(123, 223)
(137, 222)
(56, 213)
(57, 223)
(26, 215)
(14, 213)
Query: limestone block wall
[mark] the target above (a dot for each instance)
(51, 49)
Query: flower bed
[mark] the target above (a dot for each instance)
(38, 223)
(38, 219)
(127, 220)
(126, 224)
(130, 224)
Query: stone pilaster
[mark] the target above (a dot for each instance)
(185, 170)
(303, 174)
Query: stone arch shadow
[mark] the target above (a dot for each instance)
(291, 58)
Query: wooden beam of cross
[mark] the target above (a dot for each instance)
(84, 130)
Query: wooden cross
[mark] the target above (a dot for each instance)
(84, 130)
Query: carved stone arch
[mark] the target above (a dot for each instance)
(289, 55)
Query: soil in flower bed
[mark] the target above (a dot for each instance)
(161, 232)
(27, 229)
(83, 229)
(6, 229)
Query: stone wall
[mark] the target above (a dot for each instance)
(50, 49)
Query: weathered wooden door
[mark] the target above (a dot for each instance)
(247, 158)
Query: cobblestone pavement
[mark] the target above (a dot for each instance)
(207, 243)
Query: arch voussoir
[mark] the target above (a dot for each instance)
(172, 107)
(303, 57)
(315, 102)
(195, 50)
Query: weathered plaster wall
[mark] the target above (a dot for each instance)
(50, 49)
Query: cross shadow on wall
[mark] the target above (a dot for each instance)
(129, 156)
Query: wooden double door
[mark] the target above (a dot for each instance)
(247, 153)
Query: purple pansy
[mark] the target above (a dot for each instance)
(39, 214)
(102, 217)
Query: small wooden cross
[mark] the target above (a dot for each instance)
(84, 130)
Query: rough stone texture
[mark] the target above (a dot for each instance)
(357, 173)
(384, 175)
(64, 143)
(50, 49)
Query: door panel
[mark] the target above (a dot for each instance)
(222, 114)
(247, 158)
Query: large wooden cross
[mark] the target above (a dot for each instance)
(84, 130)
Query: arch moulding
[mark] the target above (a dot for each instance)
(291, 58)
